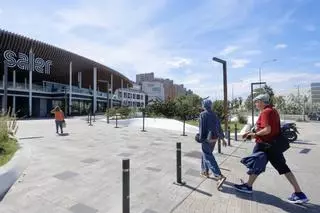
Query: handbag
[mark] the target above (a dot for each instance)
(64, 124)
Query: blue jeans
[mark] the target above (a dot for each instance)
(207, 159)
(59, 124)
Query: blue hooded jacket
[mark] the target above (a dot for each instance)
(209, 122)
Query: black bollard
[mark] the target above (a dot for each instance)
(143, 116)
(179, 167)
(108, 116)
(126, 185)
(116, 121)
(90, 120)
(94, 117)
(219, 145)
(229, 136)
(184, 128)
(235, 132)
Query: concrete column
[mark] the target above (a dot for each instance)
(80, 79)
(94, 90)
(14, 78)
(30, 93)
(122, 97)
(25, 83)
(111, 91)
(14, 105)
(70, 87)
(31, 67)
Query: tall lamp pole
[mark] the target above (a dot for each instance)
(260, 68)
(225, 88)
(104, 81)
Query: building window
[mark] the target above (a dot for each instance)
(134, 96)
(156, 89)
(129, 95)
(138, 96)
(125, 95)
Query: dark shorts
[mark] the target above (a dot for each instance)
(276, 159)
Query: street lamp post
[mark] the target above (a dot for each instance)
(252, 110)
(5, 89)
(104, 81)
(260, 68)
(225, 88)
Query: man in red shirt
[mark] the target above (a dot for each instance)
(266, 130)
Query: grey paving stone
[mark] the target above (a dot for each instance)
(133, 147)
(89, 160)
(81, 208)
(125, 154)
(65, 175)
(149, 211)
(193, 172)
(193, 154)
(153, 169)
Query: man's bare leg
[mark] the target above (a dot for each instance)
(251, 180)
(292, 179)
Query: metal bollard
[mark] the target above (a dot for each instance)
(184, 128)
(179, 179)
(126, 185)
(229, 136)
(90, 120)
(108, 116)
(219, 145)
(94, 117)
(116, 121)
(143, 116)
(235, 132)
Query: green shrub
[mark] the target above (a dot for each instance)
(8, 146)
(242, 119)
(124, 112)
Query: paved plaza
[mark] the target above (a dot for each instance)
(81, 172)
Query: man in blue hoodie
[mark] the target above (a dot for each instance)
(209, 131)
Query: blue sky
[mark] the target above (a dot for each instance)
(177, 39)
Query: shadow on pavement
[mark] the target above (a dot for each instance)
(269, 199)
(64, 134)
(303, 143)
(31, 137)
(198, 190)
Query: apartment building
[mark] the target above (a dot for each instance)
(144, 77)
(154, 90)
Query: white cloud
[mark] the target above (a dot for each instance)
(280, 46)
(229, 50)
(310, 28)
(178, 62)
(239, 63)
(252, 52)
(317, 64)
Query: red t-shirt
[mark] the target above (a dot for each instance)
(269, 116)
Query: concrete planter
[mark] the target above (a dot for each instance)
(10, 172)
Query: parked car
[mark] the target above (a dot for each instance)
(314, 116)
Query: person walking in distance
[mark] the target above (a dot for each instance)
(267, 130)
(59, 118)
(209, 131)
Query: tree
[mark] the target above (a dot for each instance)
(266, 89)
(218, 108)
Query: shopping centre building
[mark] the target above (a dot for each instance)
(38, 76)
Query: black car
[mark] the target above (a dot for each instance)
(314, 116)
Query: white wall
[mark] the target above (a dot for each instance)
(153, 89)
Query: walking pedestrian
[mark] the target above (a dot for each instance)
(267, 130)
(209, 131)
(59, 118)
